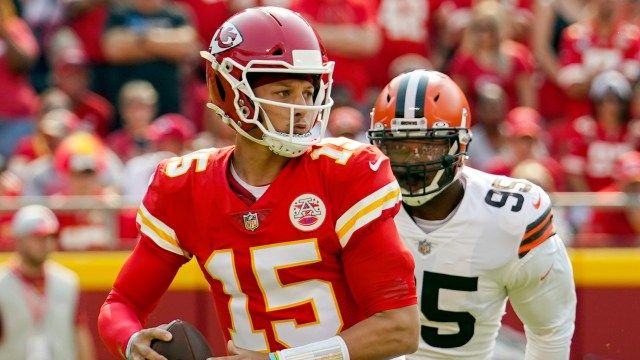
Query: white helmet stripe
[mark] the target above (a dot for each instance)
(411, 93)
(410, 99)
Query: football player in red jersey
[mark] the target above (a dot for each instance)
(295, 235)
(477, 239)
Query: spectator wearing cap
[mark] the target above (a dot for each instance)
(525, 142)
(616, 227)
(169, 135)
(138, 106)
(49, 175)
(71, 75)
(40, 316)
(347, 121)
(18, 104)
(595, 141)
(82, 163)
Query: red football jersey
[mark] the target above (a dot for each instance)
(592, 151)
(584, 52)
(406, 27)
(466, 66)
(317, 253)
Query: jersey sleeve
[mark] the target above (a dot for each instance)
(144, 278)
(160, 213)
(542, 293)
(366, 197)
(538, 219)
(154, 262)
(379, 269)
(363, 191)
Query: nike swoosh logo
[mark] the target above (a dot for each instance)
(376, 165)
(537, 203)
(544, 276)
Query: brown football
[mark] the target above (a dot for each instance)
(187, 343)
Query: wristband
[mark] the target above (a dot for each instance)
(127, 352)
(331, 349)
(273, 356)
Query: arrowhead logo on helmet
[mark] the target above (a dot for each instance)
(226, 37)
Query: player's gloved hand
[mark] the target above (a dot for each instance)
(139, 347)
(238, 353)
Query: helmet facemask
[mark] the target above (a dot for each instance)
(248, 107)
(425, 162)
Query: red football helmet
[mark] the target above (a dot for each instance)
(421, 120)
(269, 40)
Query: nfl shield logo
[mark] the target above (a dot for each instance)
(250, 221)
(424, 247)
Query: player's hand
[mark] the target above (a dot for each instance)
(238, 353)
(141, 347)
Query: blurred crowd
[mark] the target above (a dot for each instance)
(95, 93)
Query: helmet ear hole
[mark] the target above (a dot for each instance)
(436, 98)
(278, 52)
(223, 94)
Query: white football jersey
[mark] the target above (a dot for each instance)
(499, 243)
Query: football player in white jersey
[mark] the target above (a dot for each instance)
(477, 239)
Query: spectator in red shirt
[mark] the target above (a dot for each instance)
(18, 52)
(551, 18)
(524, 132)
(599, 42)
(71, 75)
(488, 55)
(616, 227)
(406, 39)
(48, 133)
(595, 141)
(138, 106)
(352, 37)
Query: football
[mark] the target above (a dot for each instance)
(187, 343)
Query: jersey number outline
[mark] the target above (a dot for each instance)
(266, 261)
(341, 151)
(178, 166)
(503, 190)
(431, 284)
